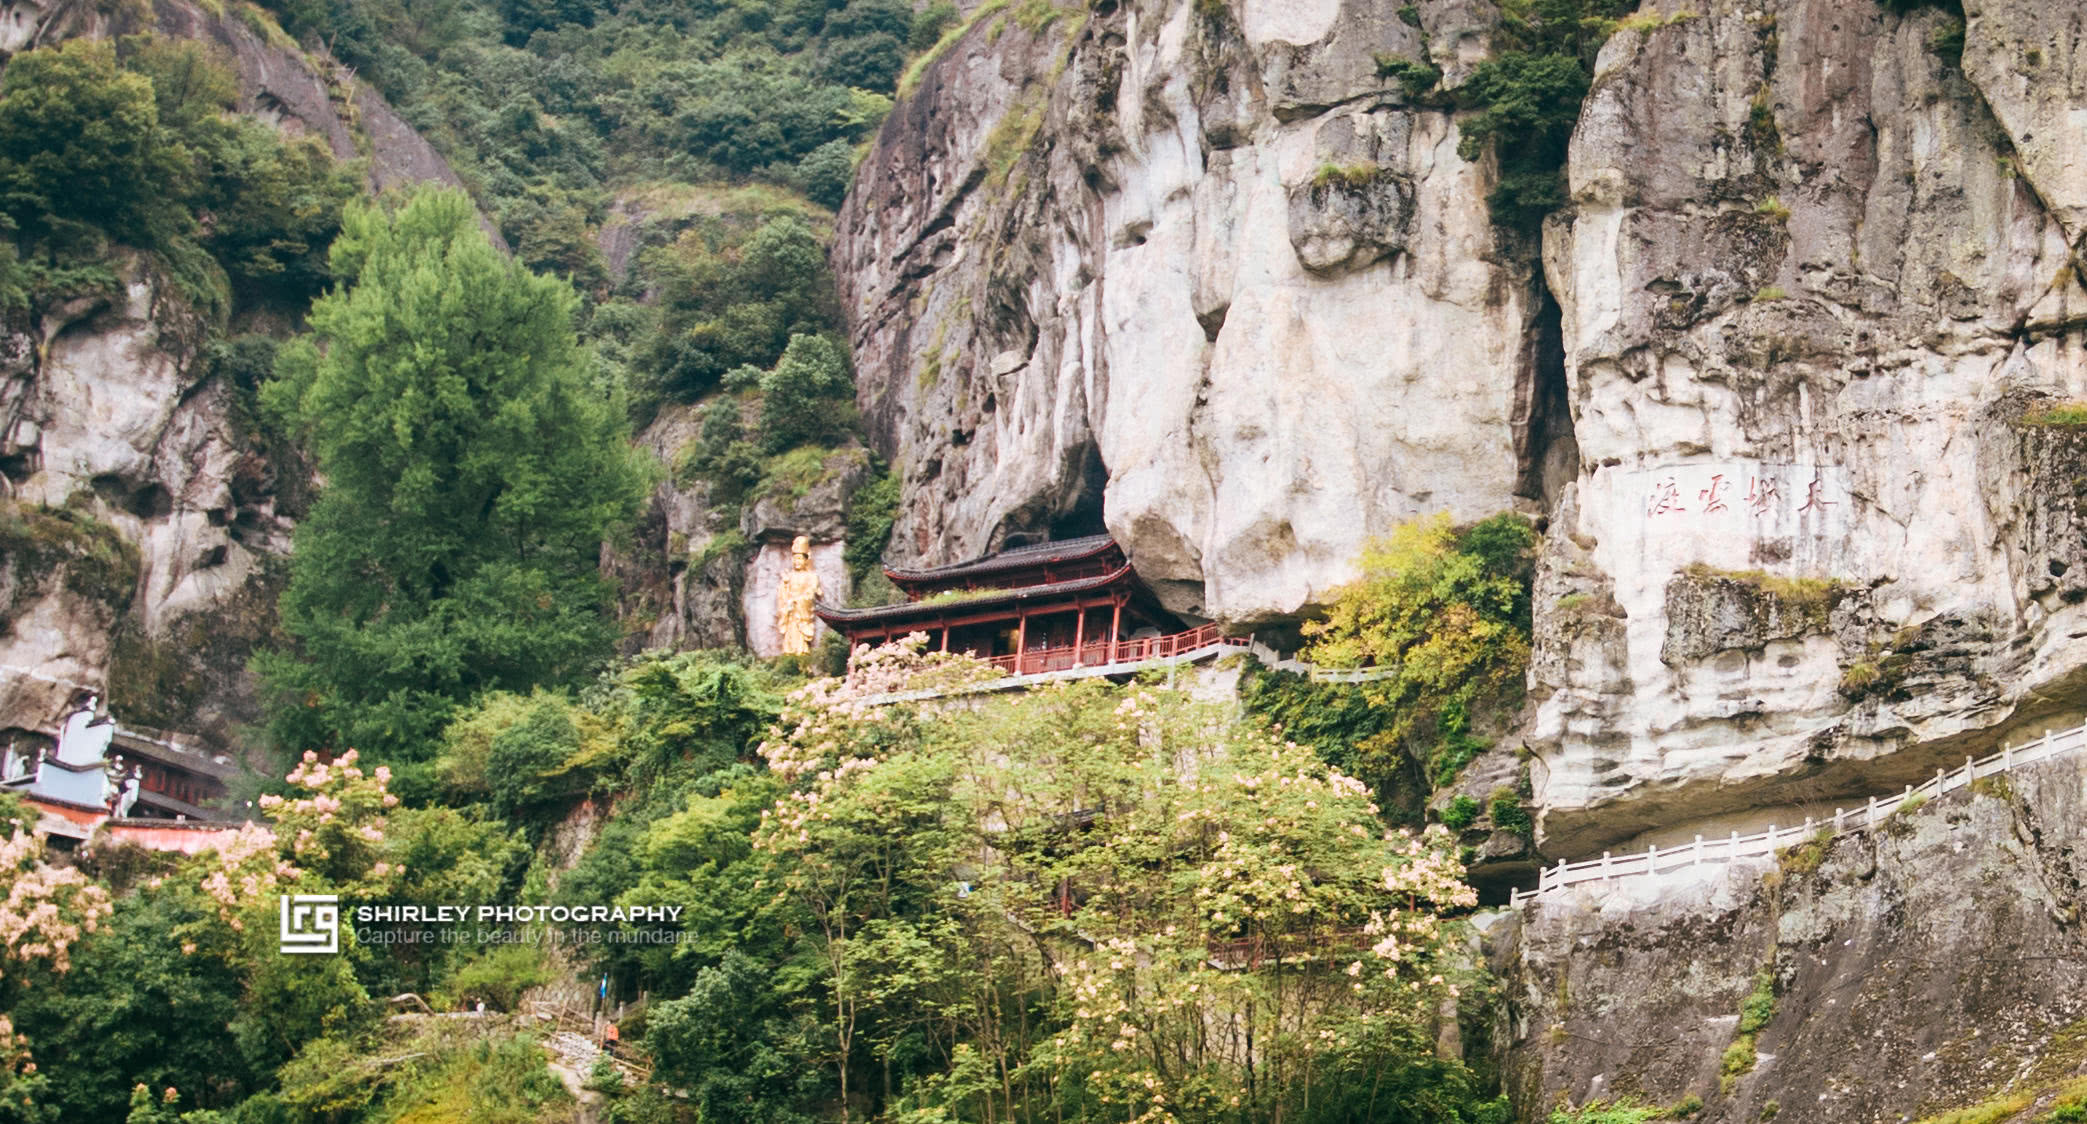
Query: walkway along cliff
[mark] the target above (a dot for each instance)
(1787, 379)
(1811, 528)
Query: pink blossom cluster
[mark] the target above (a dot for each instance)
(335, 822)
(245, 870)
(788, 824)
(805, 736)
(46, 909)
(340, 815)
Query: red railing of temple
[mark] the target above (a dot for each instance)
(1036, 661)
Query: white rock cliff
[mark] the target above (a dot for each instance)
(1198, 272)
(1204, 272)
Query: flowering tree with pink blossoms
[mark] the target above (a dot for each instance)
(45, 909)
(327, 836)
(1206, 923)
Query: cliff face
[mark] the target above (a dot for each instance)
(1198, 271)
(161, 572)
(171, 497)
(1201, 272)
(1930, 964)
(1816, 283)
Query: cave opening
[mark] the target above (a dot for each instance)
(1547, 453)
(149, 500)
(1070, 510)
(1083, 515)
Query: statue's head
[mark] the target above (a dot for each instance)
(801, 552)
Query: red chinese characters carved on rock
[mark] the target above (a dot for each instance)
(1763, 495)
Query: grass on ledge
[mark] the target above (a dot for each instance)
(2073, 413)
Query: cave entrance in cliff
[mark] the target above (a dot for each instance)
(1084, 516)
(1547, 452)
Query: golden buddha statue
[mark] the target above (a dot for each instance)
(794, 620)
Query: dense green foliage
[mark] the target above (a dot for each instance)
(1344, 725)
(887, 900)
(1448, 609)
(101, 147)
(732, 298)
(1527, 97)
(871, 512)
(472, 469)
(919, 917)
(566, 96)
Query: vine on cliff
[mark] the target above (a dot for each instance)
(1446, 611)
(1526, 100)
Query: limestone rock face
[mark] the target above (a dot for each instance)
(1200, 273)
(111, 417)
(678, 579)
(109, 412)
(1816, 286)
(1916, 968)
(1210, 275)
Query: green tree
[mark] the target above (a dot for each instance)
(729, 299)
(808, 398)
(1448, 612)
(732, 1042)
(1527, 100)
(1037, 909)
(274, 208)
(83, 152)
(528, 762)
(110, 1023)
(471, 471)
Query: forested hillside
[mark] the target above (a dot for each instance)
(1575, 441)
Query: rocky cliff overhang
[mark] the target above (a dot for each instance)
(1203, 274)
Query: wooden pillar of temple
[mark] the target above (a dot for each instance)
(945, 638)
(1021, 638)
(1115, 628)
(1079, 633)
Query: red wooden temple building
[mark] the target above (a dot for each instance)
(1031, 609)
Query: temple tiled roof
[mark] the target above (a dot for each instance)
(138, 743)
(984, 598)
(1021, 557)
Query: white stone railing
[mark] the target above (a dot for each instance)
(1655, 860)
(1223, 646)
(1085, 671)
(1318, 674)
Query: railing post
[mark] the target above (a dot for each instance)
(1605, 866)
(1652, 859)
(1771, 837)
(1970, 770)
(1732, 851)
(2007, 757)
(1939, 782)
(1838, 815)
(1699, 849)
(1869, 817)
(1808, 828)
